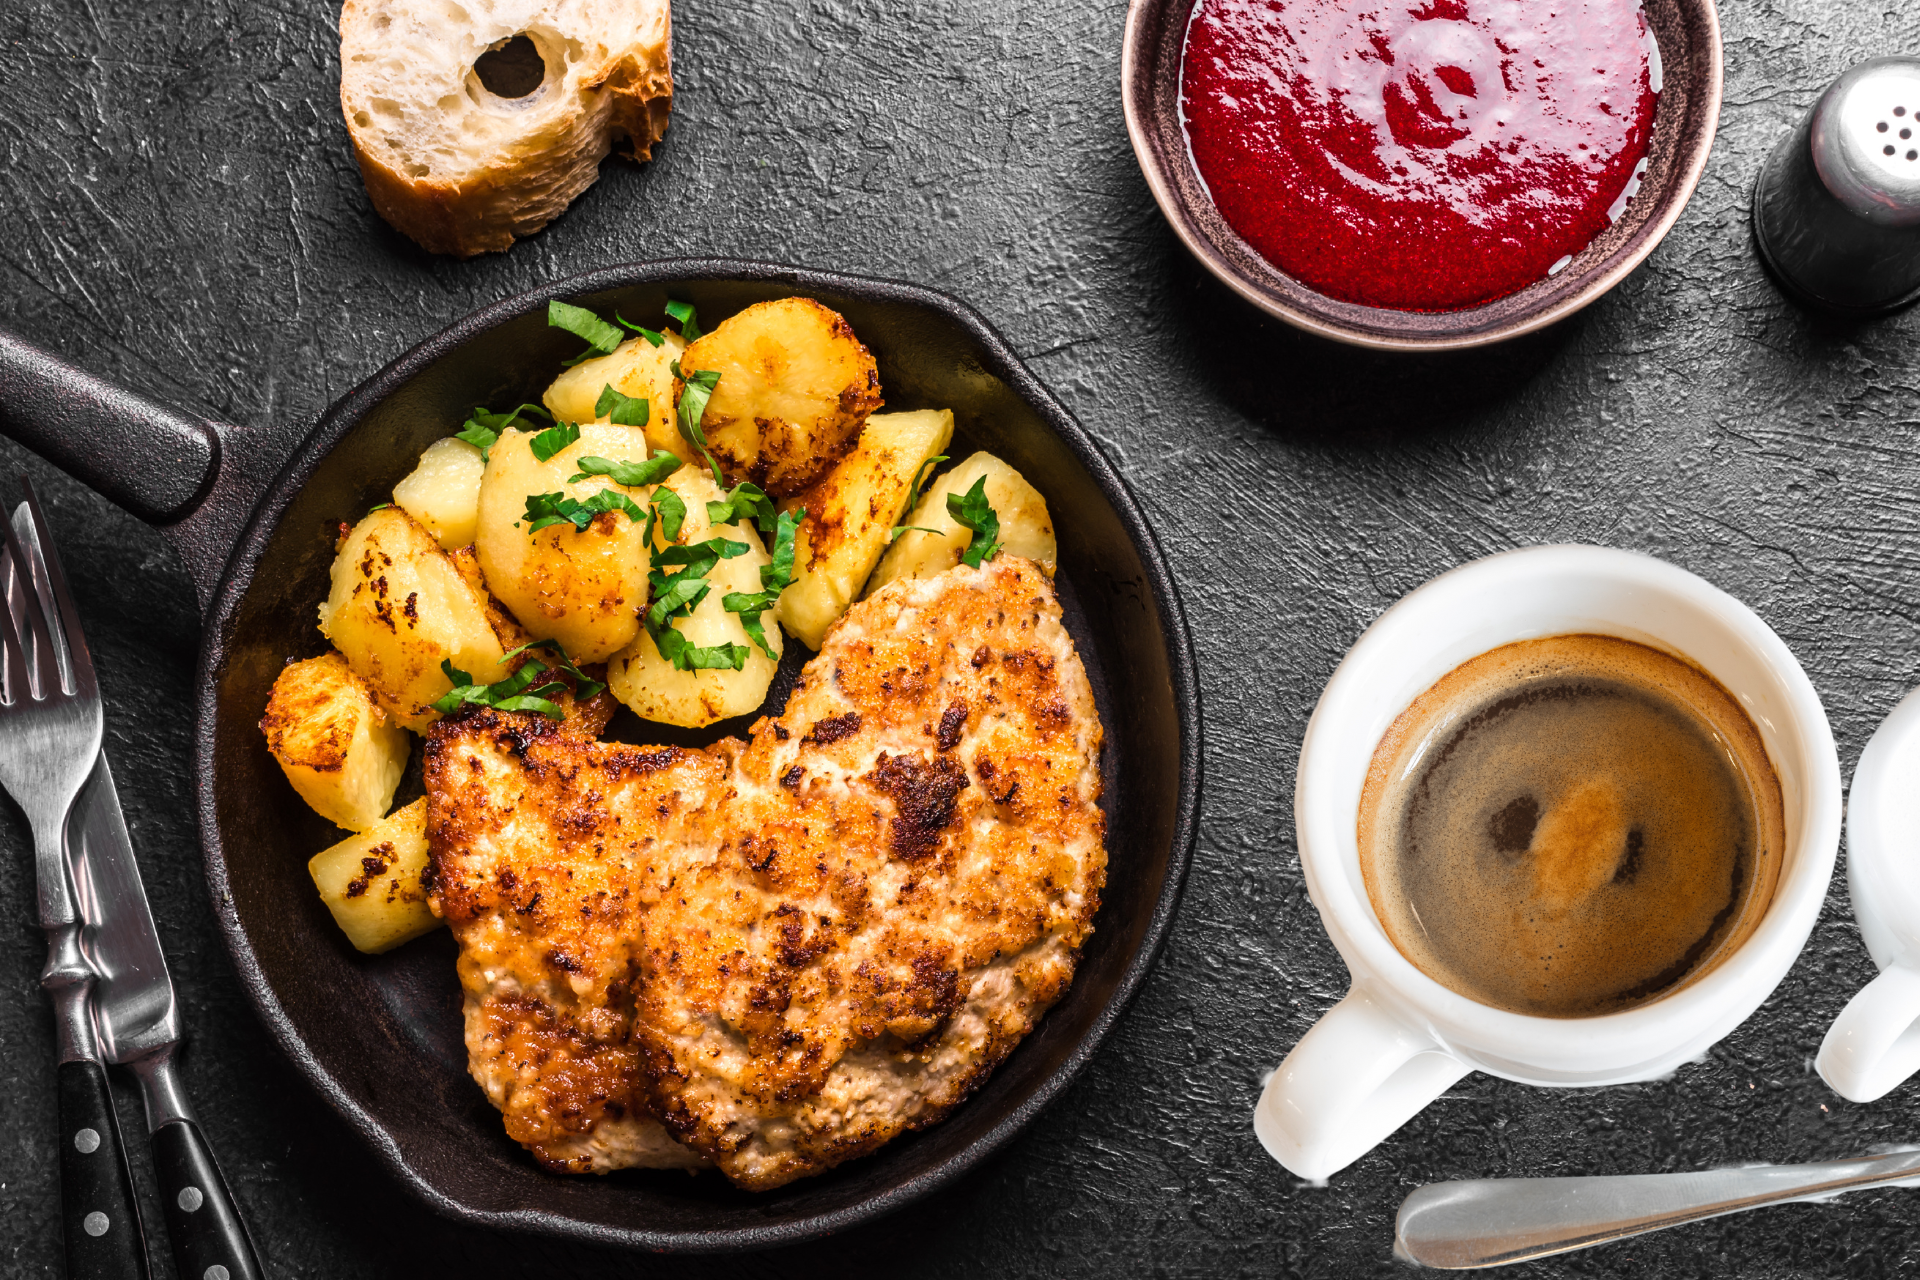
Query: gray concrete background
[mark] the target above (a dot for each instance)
(179, 210)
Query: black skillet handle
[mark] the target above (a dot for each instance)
(143, 456)
(98, 1213)
(168, 468)
(209, 1240)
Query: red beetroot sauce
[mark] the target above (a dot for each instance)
(1419, 156)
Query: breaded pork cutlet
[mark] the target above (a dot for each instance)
(792, 949)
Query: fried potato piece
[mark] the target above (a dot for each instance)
(849, 515)
(398, 609)
(443, 492)
(1025, 528)
(582, 587)
(586, 717)
(653, 687)
(508, 631)
(636, 368)
(795, 387)
(374, 882)
(338, 749)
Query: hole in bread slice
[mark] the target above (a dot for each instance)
(511, 68)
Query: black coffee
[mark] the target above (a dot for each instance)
(1571, 826)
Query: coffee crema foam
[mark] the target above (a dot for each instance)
(1571, 826)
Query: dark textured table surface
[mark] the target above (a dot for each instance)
(179, 210)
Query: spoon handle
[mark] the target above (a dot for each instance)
(1492, 1221)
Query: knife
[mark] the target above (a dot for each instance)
(138, 1025)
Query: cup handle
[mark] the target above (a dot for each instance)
(1875, 1042)
(1357, 1075)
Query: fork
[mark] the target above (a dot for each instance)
(50, 730)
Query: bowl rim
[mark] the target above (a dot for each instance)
(998, 359)
(1134, 55)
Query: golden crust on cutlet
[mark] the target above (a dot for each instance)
(546, 847)
(916, 855)
(811, 942)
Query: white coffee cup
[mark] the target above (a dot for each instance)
(1399, 1039)
(1875, 1042)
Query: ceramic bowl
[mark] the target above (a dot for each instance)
(1688, 35)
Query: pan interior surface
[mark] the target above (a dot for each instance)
(381, 1036)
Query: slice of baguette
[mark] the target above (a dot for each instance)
(464, 171)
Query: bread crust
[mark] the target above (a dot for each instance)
(522, 183)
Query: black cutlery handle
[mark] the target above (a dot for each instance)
(209, 1240)
(98, 1211)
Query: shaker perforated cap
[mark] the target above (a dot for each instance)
(1866, 141)
(1836, 211)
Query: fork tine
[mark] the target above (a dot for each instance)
(71, 638)
(48, 681)
(43, 670)
(13, 655)
(25, 595)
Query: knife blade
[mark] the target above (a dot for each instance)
(133, 1002)
(137, 1019)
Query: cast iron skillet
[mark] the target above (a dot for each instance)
(380, 1037)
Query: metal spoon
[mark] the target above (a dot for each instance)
(1489, 1222)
